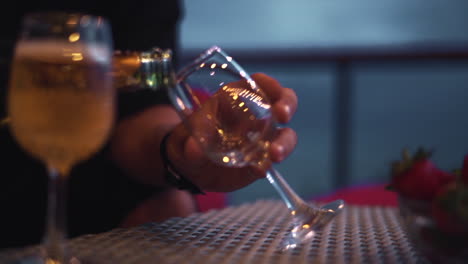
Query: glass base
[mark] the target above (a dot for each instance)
(307, 221)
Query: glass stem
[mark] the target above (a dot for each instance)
(54, 240)
(292, 200)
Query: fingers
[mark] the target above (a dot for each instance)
(269, 85)
(284, 109)
(283, 145)
(284, 100)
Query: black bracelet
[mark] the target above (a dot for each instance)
(172, 176)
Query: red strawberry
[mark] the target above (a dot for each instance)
(417, 177)
(419, 182)
(445, 178)
(447, 208)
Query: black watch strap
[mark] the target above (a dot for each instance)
(172, 176)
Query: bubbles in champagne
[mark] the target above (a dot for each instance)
(61, 101)
(47, 50)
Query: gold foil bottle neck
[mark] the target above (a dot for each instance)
(134, 70)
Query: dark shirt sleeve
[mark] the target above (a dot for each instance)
(23, 185)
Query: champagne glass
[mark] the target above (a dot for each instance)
(61, 104)
(231, 118)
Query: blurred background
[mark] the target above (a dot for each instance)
(372, 77)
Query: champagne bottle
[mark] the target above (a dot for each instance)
(136, 70)
(141, 79)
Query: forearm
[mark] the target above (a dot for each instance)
(134, 146)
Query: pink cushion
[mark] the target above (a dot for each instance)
(369, 194)
(211, 200)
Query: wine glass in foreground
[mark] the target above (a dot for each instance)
(232, 120)
(61, 105)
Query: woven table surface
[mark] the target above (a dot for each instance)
(249, 233)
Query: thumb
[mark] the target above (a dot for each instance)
(184, 148)
(193, 152)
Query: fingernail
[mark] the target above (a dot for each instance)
(287, 111)
(278, 152)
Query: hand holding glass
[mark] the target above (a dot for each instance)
(231, 118)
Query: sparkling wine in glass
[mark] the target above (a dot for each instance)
(231, 118)
(61, 104)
